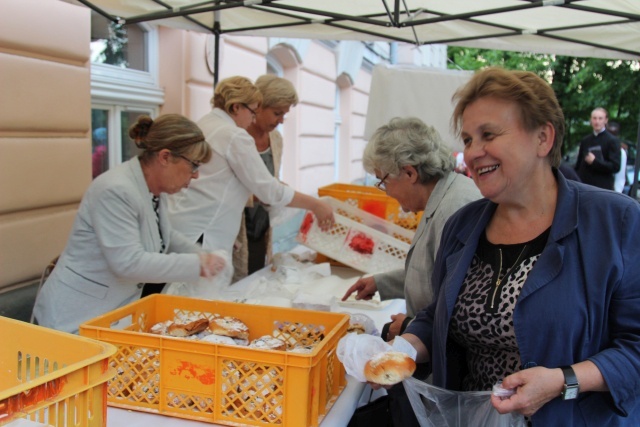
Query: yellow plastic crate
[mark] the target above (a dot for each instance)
(223, 384)
(374, 201)
(52, 377)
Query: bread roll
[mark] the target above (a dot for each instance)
(389, 368)
(229, 327)
(188, 328)
(267, 342)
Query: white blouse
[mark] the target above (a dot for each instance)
(212, 205)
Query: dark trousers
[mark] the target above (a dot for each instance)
(152, 288)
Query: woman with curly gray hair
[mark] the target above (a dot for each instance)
(416, 168)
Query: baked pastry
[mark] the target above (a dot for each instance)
(267, 342)
(218, 339)
(358, 328)
(160, 328)
(187, 327)
(229, 327)
(389, 368)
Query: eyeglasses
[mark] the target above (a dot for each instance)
(380, 185)
(250, 109)
(194, 165)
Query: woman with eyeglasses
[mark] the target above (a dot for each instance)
(121, 237)
(253, 244)
(416, 168)
(211, 209)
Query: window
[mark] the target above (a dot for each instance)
(123, 46)
(111, 144)
(124, 69)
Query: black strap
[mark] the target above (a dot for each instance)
(155, 200)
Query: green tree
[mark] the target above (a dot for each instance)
(581, 84)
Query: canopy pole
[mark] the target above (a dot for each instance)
(216, 57)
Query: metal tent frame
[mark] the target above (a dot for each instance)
(581, 28)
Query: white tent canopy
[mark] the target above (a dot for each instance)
(585, 28)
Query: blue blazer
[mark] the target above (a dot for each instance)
(581, 301)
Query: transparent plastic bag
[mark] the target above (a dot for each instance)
(437, 407)
(205, 288)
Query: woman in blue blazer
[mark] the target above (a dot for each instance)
(538, 284)
(117, 242)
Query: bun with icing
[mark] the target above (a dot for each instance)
(389, 368)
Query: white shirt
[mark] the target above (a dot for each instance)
(619, 179)
(213, 203)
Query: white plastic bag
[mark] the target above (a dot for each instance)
(205, 288)
(437, 407)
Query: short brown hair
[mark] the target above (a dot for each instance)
(235, 90)
(534, 97)
(173, 132)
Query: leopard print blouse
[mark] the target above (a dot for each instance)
(482, 320)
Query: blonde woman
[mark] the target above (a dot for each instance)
(212, 208)
(253, 244)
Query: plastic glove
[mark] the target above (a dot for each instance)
(354, 350)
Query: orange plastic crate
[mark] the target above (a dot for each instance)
(374, 201)
(52, 377)
(223, 384)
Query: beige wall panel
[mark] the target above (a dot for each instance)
(172, 70)
(315, 120)
(363, 81)
(258, 45)
(199, 47)
(199, 98)
(238, 61)
(360, 101)
(29, 240)
(34, 27)
(43, 96)
(316, 150)
(357, 125)
(321, 60)
(317, 90)
(59, 171)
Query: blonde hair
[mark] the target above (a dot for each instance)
(173, 132)
(276, 91)
(235, 90)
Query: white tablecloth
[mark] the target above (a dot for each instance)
(343, 408)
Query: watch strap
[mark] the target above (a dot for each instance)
(570, 381)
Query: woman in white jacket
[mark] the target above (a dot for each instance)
(118, 242)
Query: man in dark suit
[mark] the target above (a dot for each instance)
(599, 155)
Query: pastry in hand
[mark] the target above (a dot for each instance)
(389, 368)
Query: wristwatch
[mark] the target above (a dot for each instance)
(571, 384)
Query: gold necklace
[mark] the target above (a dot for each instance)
(509, 271)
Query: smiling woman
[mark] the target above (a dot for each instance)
(121, 236)
(524, 296)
